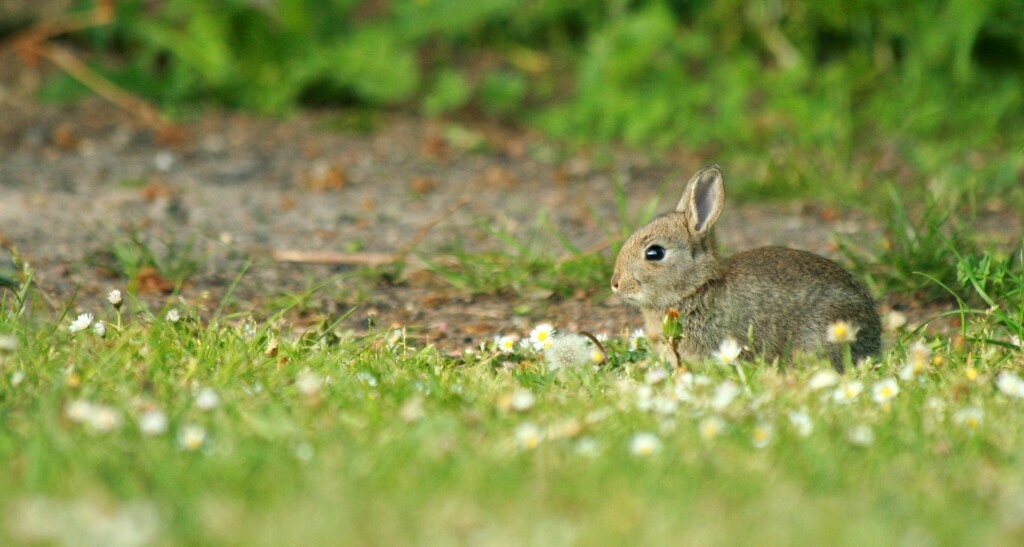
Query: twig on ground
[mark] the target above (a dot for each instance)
(368, 259)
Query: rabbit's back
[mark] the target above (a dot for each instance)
(787, 298)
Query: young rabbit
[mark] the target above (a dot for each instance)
(775, 300)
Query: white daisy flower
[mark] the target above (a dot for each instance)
(80, 323)
(8, 343)
(104, 419)
(587, 447)
(115, 299)
(522, 400)
(540, 336)
(191, 437)
(1010, 384)
(308, 383)
(724, 394)
(634, 339)
(860, 435)
(207, 399)
(528, 436)
(848, 392)
(711, 427)
(970, 418)
(801, 422)
(99, 329)
(153, 422)
(371, 380)
(506, 343)
(665, 406)
(823, 379)
(644, 444)
(728, 351)
(395, 338)
(918, 357)
(884, 391)
(655, 375)
(762, 435)
(842, 332)
(79, 411)
(173, 315)
(894, 321)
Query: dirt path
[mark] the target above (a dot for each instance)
(75, 181)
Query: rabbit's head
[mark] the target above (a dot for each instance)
(674, 254)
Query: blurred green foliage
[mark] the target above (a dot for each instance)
(930, 80)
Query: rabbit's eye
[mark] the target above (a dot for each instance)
(654, 253)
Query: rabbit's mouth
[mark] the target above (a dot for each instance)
(634, 296)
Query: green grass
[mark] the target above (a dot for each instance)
(320, 437)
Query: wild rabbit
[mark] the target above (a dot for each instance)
(775, 300)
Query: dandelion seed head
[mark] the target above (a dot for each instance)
(567, 351)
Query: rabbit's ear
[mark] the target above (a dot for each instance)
(702, 200)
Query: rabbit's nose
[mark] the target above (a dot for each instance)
(615, 282)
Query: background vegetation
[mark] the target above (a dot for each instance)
(799, 95)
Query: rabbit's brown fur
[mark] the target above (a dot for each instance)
(777, 301)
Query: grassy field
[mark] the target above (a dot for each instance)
(192, 425)
(168, 429)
